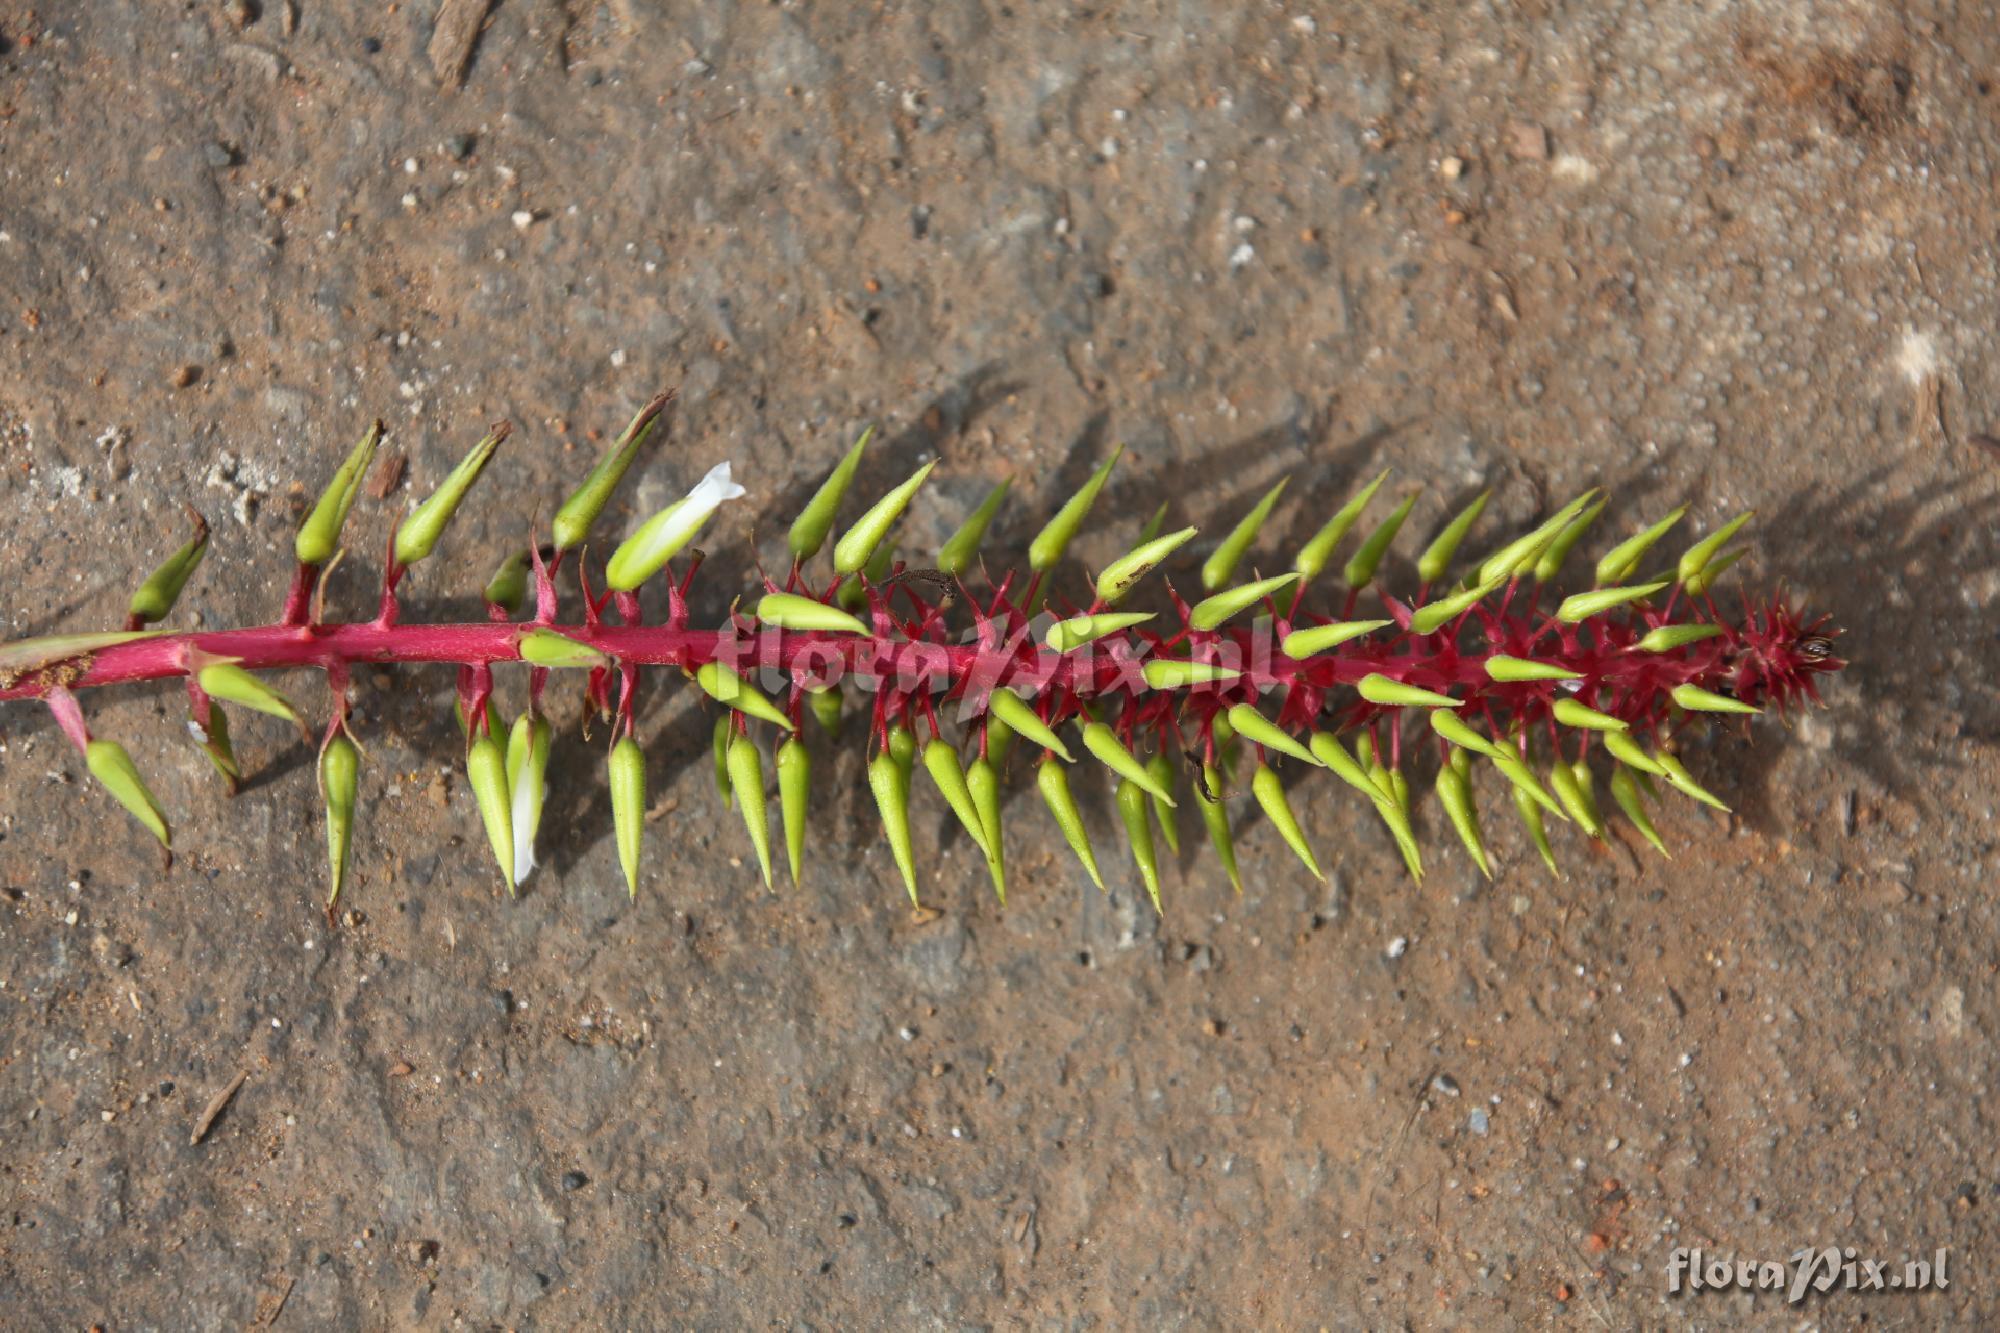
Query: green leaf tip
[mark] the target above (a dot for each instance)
(114, 769)
(809, 530)
(419, 534)
(1579, 607)
(155, 598)
(746, 779)
(1220, 567)
(1365, 562)
(626, 776)
(858, 543)
(1377, 688)
(231, 683)
(1436, 558)
(1102, 742)
(319, 535)
(1303, 643)
(1253, 726)
(958, 554)
(1047, 549)
(580, 511)
(1052, 779)
(1618, 563)
(1696, 561)
(1697, 700)
(786, 610)
(1066, 636)
(1123, 574)
(1013, 710)
(1133, 813)
(1315, 555)
(1211, 612)
(1513, 670)
(889, 781)
(1270, 794)
(722, 684)
(794, 800)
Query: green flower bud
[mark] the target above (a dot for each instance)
(726, 687)
(1667, 638)
(1215, 818)
(155, 599)
(889, 780)
(825, 705)
(1054, 539)
(1628, 751)
(227, 681)
(859, 542)
(1013, 710)
(957, 555)
(746, 777)
(1315, 554)
(941, 762)
(1270, 794)
(1571, 783)
(1697, 700)
(1153, 524)
(1581, 606)
(546, 648)
(1220, 567)
(1509, 670)
(627, 779)
(786, 610)
(1516, 771)
(983, 781)
(110, 765)
(1573, 714)
(1052, 779)
(1618, 563)
(1123, 574)
(1211, 612)
(1459, 732)
(794, 799)
(1173, 673)
(1331, 754)
(509, 585)
(573, 521)
(1161, 770)
(1377, 688)
(1434, 616)
(1702, 552)
(1549, 564)
(999, 737)
(339, 781)
(528, 745)
(1700, 584)
(418, 536)
(1455, 795)
(1066, 636)
(1625, 791)
(486, 770)
(1139, 835)
(1255, 727)
(1684, 782)
(1531, 817)
(214, 742)
(1510, 559)
(1102, 742)
(1436, 558)
(1361, 568)
(725, 732)
(319, 538)
(815, 521)
(1303, 643)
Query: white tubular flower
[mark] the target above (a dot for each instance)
(661, 537)
(527, 779)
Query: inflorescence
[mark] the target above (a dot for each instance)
(1489, 671)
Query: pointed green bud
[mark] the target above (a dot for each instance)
(1215, 817)
(983, 781)
(941, 762)
(1516, 771)
(1628, 751)
(815, 521)
(1331, 754)
(1052, 779)
(1397, 818)
(1314, 556)
(1303, 643)
(319, 537)
(1460, 732)
(1701, 583)
(959, 554)
(1572, 787)
(787, 610)
(1625, 791)
(1698, 556)
(231, 683)
(1132, 805)
(155, 599)
(420, 532)
(1161, 770)
(1066, 636)
(858, 543)
(627, 776)
(1172, 673)
(528, 746)
(1531, 817)
(1377, 688)
(1013, 710)
(667, 533)
(1510, 670)
(1511, 559)
(1697, 700)
(1619, 562)
(1270, 794)
(486, 770)
(1573, 714)
(825, 705)
(1684, 782)
(1220, 567)
(1255, 727)
(1361, 568)
(110, 765)
(794, 799)
(1436, 558)
(1434, 616)
(746, 779)
(1211, 612)
(1124, 573)
(719, 738)
(723, 685)
(214, 742)
(889, 780)
(1550, 562)
(1667, 638)
(1047, 549)
(1581, 606)
(573, 521)
(546, 648)
(1455, 795)
(339, 781)
(492, 717)
(1101, 741)
(1154, 524)
(508, 587)
(999, 737)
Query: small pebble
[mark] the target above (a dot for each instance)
(574, 1181)
(523, 219)
(459, 146)
(218, 154)
(1396, 947)
(185, 375)
(1477, 1120)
